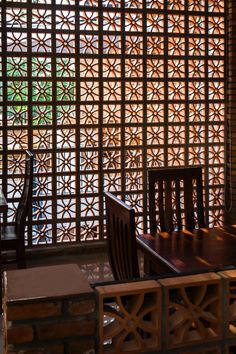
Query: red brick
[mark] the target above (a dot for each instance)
(47, 349)
(20, 334)
(81, 346)
(27, 351)
(29, 311)
(66, 329)
(55, 349)
(81, 307)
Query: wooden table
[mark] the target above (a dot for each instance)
(190, 252)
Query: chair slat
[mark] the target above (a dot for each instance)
(188, 201)
(200, 209)
(168, 206)
(160, 206)
(178, 205)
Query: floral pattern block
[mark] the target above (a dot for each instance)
(193, 309)
(130, 322)
(102, 90)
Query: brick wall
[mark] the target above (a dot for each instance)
(48, 319)
(53, 327)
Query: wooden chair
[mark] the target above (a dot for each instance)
(176, 196)
(121, 239)
(13, 236)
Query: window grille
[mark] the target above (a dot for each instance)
(103, 90)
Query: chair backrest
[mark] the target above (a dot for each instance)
(176, 199)
(121, 239)
(25, 202)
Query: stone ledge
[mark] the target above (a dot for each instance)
(38, 283)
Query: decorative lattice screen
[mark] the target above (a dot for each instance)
(102, 90)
